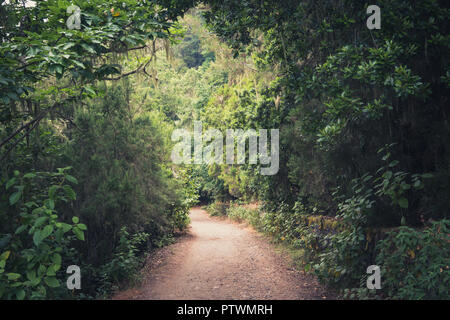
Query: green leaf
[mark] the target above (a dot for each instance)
(15, 197)
(75, 220)
(82, 226)
(40, 221)
(66, 227)
(68, 45)
(5, 255)
(393, 163)
(50, 203)
(20, 294)
(78, 233)
(69, 192)
(41, 270)
(403, 203)
(88, 48)
(56, 258)
(71, 179)
(52, 191)
(13, 276)
(46, 232)
(20, 229)
(52, 282)
(405, 186)
(387, 175)
(51, 271)
(37, 238)
(91, 92)
(31, 275)
(10, 183)
(59, 234)
(79, 64)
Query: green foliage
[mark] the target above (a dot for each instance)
(415, 263)
(57, 110)
(218, 209)
(123, 180)
(340, 92)
(337, 91)
(240, 214)
(38, 242)
(125, 262)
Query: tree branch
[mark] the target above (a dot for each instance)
(33, 123)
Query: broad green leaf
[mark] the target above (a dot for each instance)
(65, 227)
(51, 271)
(5, 255)
(69, 192)
(37, 238)
(403, 202)
(52, 192)
(31, 275)
(40, 221)
(46, 232)
(71, 178)
(15, 197)
(56, 258)
(82, 226)
(20, 229)
(41, 270)
(88, 48)
(10, 183)
(78, 233)
(50, 203)
(68, 45)
(52, 282)
(20, 294)
(387, 175)
(13, 276)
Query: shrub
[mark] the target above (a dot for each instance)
(218, 209)
(240, 214)
(39, 242)
(415, 263)
(125, 262)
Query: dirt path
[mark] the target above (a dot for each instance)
(219, 260)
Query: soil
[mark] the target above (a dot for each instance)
(219, 260)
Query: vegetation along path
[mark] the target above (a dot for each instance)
(218, 259)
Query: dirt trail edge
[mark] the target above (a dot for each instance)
(218, 260)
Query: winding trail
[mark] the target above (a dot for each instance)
(218, 259)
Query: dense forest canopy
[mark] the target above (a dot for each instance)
(87, 114)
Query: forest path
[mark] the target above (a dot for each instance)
(218, 259)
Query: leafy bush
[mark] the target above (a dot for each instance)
(125, 262)
(241, 214)
(218, 209)
(31, 256)
(415, 263)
